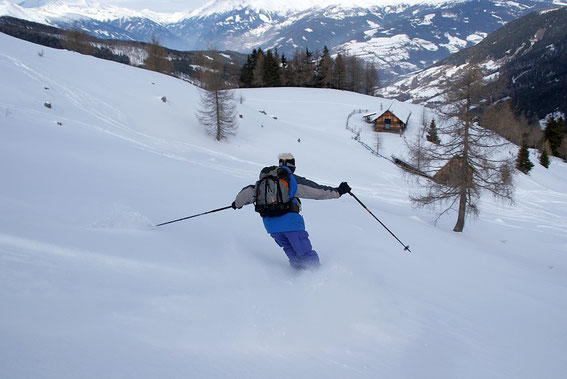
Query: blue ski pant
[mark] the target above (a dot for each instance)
(297, 247)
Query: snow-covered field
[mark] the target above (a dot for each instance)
(90, 288)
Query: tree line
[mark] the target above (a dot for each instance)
(309, 69)
(49, 36)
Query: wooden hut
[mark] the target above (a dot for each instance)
(394, 119)
(389, 122)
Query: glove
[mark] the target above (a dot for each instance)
(343, 188)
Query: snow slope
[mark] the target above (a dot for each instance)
(90, 288)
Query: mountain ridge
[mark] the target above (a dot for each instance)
(399, 38)
(527, 55)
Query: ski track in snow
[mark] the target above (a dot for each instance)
(29, 249)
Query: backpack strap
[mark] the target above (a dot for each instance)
(291, 181)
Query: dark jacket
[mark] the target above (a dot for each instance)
(306, 189)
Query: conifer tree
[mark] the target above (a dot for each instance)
(324, 70)
(278, 67)
(247, 71)
(284, 71)
(544, 157)
(271, 70)
(523, 162)
(432, 133)
(553, 133)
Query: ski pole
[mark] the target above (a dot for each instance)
(406, 247)
(197, 215)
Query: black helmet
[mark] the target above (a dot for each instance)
(286, 159)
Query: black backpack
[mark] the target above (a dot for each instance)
(271, 193)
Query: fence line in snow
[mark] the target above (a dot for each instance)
(400, 163)
(357, 134)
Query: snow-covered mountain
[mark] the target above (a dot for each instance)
(86, 9)
(90, 288)
(100, 20)
(400, 36)
(288, 6)
(527, 55)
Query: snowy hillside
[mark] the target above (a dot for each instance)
(90, 288)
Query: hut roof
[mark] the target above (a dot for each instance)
(398, 109)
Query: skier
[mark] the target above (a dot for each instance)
(288, 229)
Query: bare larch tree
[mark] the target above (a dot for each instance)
(217, 113)
(469, 159)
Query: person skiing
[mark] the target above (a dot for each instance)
(282, 219)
